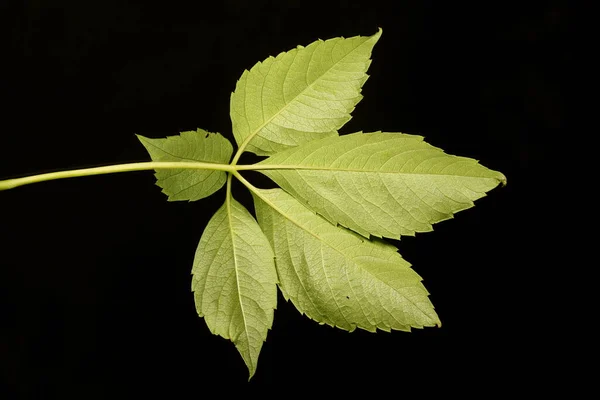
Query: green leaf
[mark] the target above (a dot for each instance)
(337, 277)
(301, 95)
(383, 184)
(234, 280)
(308, 237)
(189, 184)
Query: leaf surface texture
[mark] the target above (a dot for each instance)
(234, 280)
(300, 95)
(337, 277)
(381, 184)
(190, 146)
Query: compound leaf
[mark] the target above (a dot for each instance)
(337, 277)
(382, 184)
(300, 95)
(234, 280)
(190, 146)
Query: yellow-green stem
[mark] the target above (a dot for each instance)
(111, 169)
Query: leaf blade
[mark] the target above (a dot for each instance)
(300, 95)
(234, 280)
(336, 277)
(381, 184)
(199, 145)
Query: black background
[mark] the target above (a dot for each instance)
(95, 272)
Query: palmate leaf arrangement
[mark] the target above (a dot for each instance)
(318, 238)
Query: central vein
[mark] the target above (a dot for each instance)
(228, 199)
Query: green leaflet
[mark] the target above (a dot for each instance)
(383, 184)
(301, 95)
(189, 184)
(335, 276)
(234, 280)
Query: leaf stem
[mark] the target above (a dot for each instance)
(111, 169)
(240, 150)
(248, 185)
(228, 194)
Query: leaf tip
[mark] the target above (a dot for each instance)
(251, 373)
(502, 179)
(377, 34)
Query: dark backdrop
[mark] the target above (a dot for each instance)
(95, 272)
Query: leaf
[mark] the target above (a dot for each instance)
(189, 184)
(234, 280)
(383, 184)
(308, 237)
(301, 95)
(335, 276)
